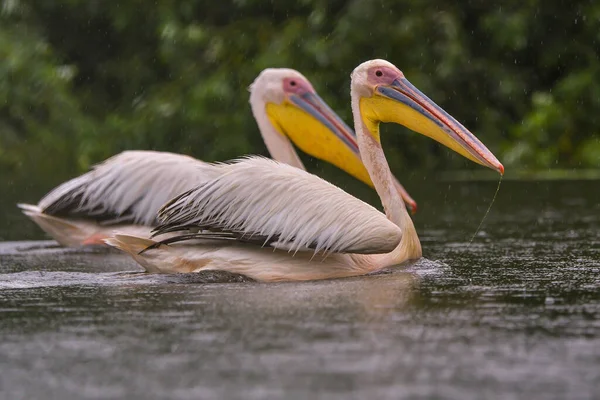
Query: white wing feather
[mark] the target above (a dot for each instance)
(129, 187)
(285, 207)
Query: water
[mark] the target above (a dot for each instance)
(514, 315)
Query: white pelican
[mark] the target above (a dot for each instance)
(126, 191)
(256, 206)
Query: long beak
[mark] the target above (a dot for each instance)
(445, 128)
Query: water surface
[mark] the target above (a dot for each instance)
(516, 314)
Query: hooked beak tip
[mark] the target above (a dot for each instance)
(501, 169)
(413, 208)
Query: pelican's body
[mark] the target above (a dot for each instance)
(292, 225)
(126, 191)
(308, 239)
(123, 193)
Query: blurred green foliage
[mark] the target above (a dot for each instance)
(83, 79)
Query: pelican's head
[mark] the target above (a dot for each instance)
(297, 112)
(387, 96)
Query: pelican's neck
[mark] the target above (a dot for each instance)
(279, 146)
(374, 160)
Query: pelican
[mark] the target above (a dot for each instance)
(126, 191)
(272, 222)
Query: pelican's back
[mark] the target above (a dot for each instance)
(127, 188)
(260, 200)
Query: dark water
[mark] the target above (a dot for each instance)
(514, 315)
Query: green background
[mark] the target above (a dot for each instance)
(83, 79)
